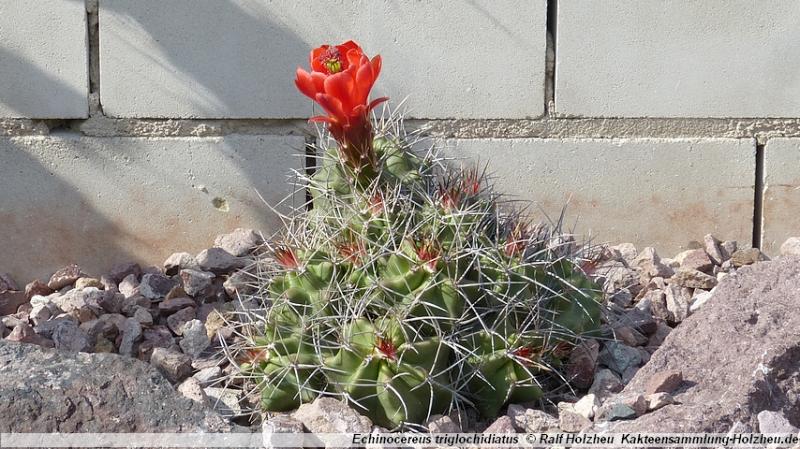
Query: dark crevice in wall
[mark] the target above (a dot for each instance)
(550, 58)
(93, 36)
(310, 165)
(758, 200)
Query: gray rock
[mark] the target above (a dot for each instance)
(67, 336)
(40, 313)
(713, 248)
(571, 421)
(10, 301)
(173, 305)
(699, 300)
(143, 316)
(693, 279)
(208, 376)
(279, 424)
(196, 282)
(328, 415)
(529, 420)
(638, 319)
(617, 275)
(177, 262)
(619, 357)
(53, 391)
(121, 271)
(219, 261)
(774, 422)
(173, 365)
(191, 389)
(65, 276)
(238, 284)
(195, 340)
(606, 382)
(155, 286)
(736, 354)
(442, 424)
(240, 242)
(6, 283)
(695, 259)
(503, 424)
(586, 406)
(129, 286)
(582, 364)
(677, 301)
(658, 337)
(791, 247)
(131, 333)
(630, 336)
(176, 321)
(226, 401)
(650, 265)
(614, 411)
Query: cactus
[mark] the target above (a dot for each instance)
(408, 287)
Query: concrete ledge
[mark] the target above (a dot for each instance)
(652, 192)
(781, 193)
(43, 59)
(237, 58)
(100, 201)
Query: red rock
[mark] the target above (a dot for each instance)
(65, 276)
(10, 302)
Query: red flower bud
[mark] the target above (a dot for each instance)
(386, 348)
(286, 257)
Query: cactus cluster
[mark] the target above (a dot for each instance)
(409, 288)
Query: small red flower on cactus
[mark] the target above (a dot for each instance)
(340, 81)
(286, 257)
(386, 348)
(352, 251)
(517, 240)
(428, 252)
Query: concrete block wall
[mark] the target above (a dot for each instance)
(130, 129)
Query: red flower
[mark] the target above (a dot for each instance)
(340, 80)
(286, 257)
(387, 349)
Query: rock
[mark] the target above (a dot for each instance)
(238, 283)
(68, 337)
(214, 322)
(650, 265)
(23, 333)
(65, 276)
(622, 298)
(695, 259)
(728, 248)
(129, 286)
(84, 282)
(529, 420)
(179, 261)
(747, 256)
(619, 357)
(571, 421)
(173, 365)
(630, 336)
(693, 279)
(713, 248)
(442, 424)
(328, 415)
(240, 242)
(657, 400)
(173, 305)
(658, 337)
(40, 313)
(774, 422)
(191, 389)
(219, 261)
(605, 383)
(614, 411)
(156, 337)
(155, 286)
(226, 401)
(582, 364)
(791, 247)
(617, 275)
(208, 376)
(121, 271)
(104, 345)
(37, 287)
(503, 424)
(628, 374)
(131, 333)
(10, 301)
(6, 283)
(586, 406)
(736, 354)
(195, 340)
(277, 425)
(638, 319)
(52, 391)
(677, 301)
(143, 316)
(176, 321)
(664, 382)
(196, 282)
(699, 300)
(627, 251)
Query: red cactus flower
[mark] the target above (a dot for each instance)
(386, 348)
(352, 251)
(286, 257)
(340, 81)
(428, 252)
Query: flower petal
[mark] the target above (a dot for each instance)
(305, 83)
(342, 86)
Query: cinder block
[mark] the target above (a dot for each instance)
(100, 201)
(676, 58)
(663, 193)
(781, 217)
(43, 59)
(237, 58)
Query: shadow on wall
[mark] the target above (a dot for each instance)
(46, 221)
(27, 86)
